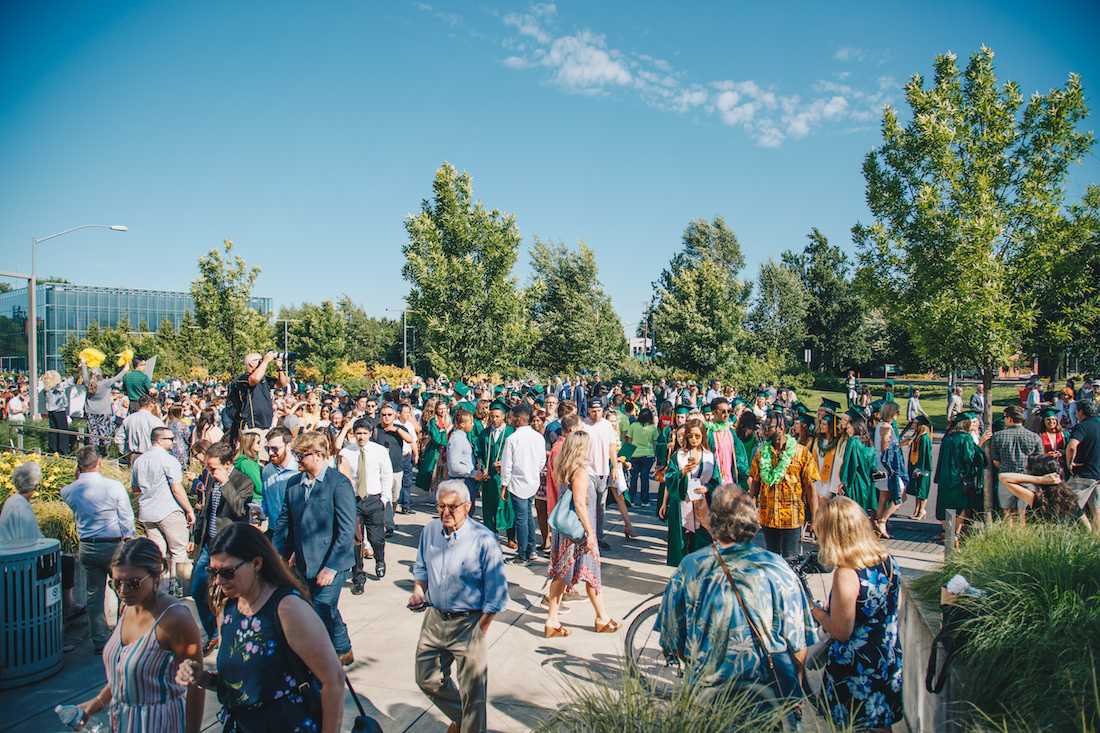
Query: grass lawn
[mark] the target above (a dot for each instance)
(932, 399)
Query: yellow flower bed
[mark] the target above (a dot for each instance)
(55, 519)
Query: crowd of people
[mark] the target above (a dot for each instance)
(261, 498)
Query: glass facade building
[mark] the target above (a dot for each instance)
(65, 311)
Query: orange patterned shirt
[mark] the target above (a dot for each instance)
(782, 506)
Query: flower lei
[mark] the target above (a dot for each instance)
(771, 475)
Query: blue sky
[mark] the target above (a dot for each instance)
(306, 132)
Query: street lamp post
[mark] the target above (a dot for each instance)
(404, 337)
(32, 334)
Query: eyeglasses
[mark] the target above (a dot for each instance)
(449, 508)
(227, 573)
(131, 584)
(299, 456)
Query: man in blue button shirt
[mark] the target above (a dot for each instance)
(459, 572)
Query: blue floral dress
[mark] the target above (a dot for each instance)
(862, 683)
(261, 686)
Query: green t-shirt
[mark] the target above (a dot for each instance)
(136, 384)
(643, 438)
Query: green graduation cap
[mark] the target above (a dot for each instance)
(498, 389)
(801, 409)
(889, 383)
(965, 415)
(498, 405)
(763, 393)
(737, 401)
(461, 389)
(707, 410)
(877, 405)
(831, 406)
(923, 420)
(683, 410)
(807, 419)
(854, 414)
(1049, 412)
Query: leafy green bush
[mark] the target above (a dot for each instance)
(56, 520)
(1030, 659)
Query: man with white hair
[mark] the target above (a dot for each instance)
(18, 525)
(249, 403)
(459, 577)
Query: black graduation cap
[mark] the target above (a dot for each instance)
(831, 406)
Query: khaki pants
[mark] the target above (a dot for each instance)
(458, 642)
(170, 535)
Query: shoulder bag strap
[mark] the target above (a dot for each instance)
(757, 637)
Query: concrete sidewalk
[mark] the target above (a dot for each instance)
(527, 673)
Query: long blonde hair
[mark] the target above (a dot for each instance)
(845, 537)
(573, 458)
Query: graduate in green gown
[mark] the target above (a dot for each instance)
(860, 461)
(462, 392)
(920, 464)
(722, 441)
(488, 449)
(692, 460)
(435, 441)
(666, 445)
(958, 477)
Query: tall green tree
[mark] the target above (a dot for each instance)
(463, 301)
(1065, 286)
(837, 326)
(958, 196)
(230, 327)
(573, 323)
(699, 303)
(370, 340)
(778, 316)
(320, 338)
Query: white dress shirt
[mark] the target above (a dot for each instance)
(522, 462)
(379, 468)
(101, 507)
(601, 437)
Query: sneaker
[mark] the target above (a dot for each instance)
(511, 545)
(357, 584)
(380, 570)
(517, 560)
(388, 533)
(347, 658)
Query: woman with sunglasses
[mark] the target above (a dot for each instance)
(277, 669)
(154, 636)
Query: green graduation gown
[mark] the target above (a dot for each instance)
(437, 441)
(855, 474)
(487, 452)
(958, 474)
(920, 466)
(679, 544)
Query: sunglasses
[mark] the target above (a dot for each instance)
(130, 584)
(226, 573)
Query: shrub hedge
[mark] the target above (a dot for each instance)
(1032, 644)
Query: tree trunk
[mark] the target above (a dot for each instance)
(987, 419)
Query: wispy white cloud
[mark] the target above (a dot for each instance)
(583, 62)
(452, 19)
(849, 53)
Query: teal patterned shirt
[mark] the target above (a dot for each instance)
(702, 623)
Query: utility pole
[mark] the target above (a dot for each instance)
(286, 334)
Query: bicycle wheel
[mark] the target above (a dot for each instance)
(644, 656)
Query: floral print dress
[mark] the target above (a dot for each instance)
(261, 686)
(863, 676)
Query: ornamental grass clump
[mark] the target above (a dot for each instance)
(1031, 646)
(632, 707)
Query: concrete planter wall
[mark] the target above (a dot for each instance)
(924, 712)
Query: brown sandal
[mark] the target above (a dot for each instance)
(552, 631)
(609, 628)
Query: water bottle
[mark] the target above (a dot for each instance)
(72, 717)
